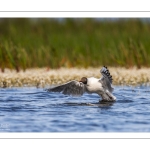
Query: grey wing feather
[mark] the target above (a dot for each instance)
(73, 88)
(105, 72)
(106, 80)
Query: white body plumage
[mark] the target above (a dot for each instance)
(100, 86)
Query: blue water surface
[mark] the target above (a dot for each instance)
(33, 109)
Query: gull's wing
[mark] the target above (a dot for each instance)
(106, 80)
(73, 88)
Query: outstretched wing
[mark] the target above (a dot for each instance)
(105, 72)
(106, 80)
(73, 88)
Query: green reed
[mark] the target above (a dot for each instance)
(27, 43)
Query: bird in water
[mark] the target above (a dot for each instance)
(102, 86)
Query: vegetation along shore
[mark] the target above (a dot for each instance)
(30, 43)
(44, 77)
(64, 49)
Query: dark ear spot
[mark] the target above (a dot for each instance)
(84, 80)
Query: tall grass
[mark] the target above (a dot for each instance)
(27, 43)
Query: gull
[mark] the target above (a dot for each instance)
(102, 86)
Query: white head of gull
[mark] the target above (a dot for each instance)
(90, 85)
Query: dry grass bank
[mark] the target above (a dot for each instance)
(43, 77)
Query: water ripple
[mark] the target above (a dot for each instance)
(35, 110)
